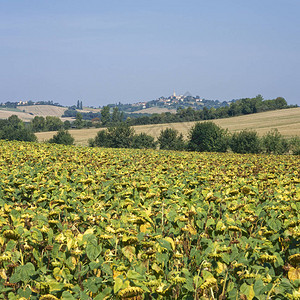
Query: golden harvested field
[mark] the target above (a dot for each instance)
(27, 113)
(286, 121)
(44, 110)
(4, 114)
(154, 110)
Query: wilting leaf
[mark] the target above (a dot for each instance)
(294, 273)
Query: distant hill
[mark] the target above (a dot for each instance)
(44, 110)
(6, 113)
(28, 112)
(170, 104)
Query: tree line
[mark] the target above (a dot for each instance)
(237, 108)
(111, 117)
(203, 137)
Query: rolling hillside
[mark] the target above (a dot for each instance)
(28, 112)
(44, 110)
(286, 121)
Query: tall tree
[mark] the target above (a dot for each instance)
(53, 123)
(116, 115)
(79, 121)
(38, 124)
(105, 115)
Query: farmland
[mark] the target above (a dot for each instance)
(287, 121)
(28, 112)
(44, 110)
(92, 223)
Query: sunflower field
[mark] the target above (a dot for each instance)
(92, 223)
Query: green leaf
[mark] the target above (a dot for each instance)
(67, 295)
(94, 265)
(258, 287)
(189, 285)
(23, 273)
(25, 293)
(210, 222)
(104, 294)
(118, 284)
(165, 244)
(206, 275)
(93, 251)
(106, 268)
(247, 290)
(36, 234)
(10, 246)
(230, 286)
(55, 286)
(129, 252)
(133, 275)
(90, 285)
(220, 225)
(226, 258)
(274, 224)
(157, 269)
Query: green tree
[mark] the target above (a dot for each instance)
(67, 124)
(15, 123)
(79, 123)
(62, 137)
(38, 124)
(209, 137)
(280, 103)
(245, 142)
(143, 141)
(14, 129)
(274, 142)
(120, 136)
(117, 116)
(105, 115)
(294, 145)
(170, 139)
(53, 123)
(102, 139)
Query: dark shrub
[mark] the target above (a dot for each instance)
(170, 139)
(245, 142)
(143, 141)
(274, 142)
(208, 136)
(62, 137)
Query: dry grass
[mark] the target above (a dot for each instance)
(44, 110)
(27, 113)
(154, 110)
(286, 121)
(4, 114)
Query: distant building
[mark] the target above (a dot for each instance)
(22, 102)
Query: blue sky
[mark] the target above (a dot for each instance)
(104, 52)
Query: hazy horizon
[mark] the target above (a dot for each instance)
(103, 52)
